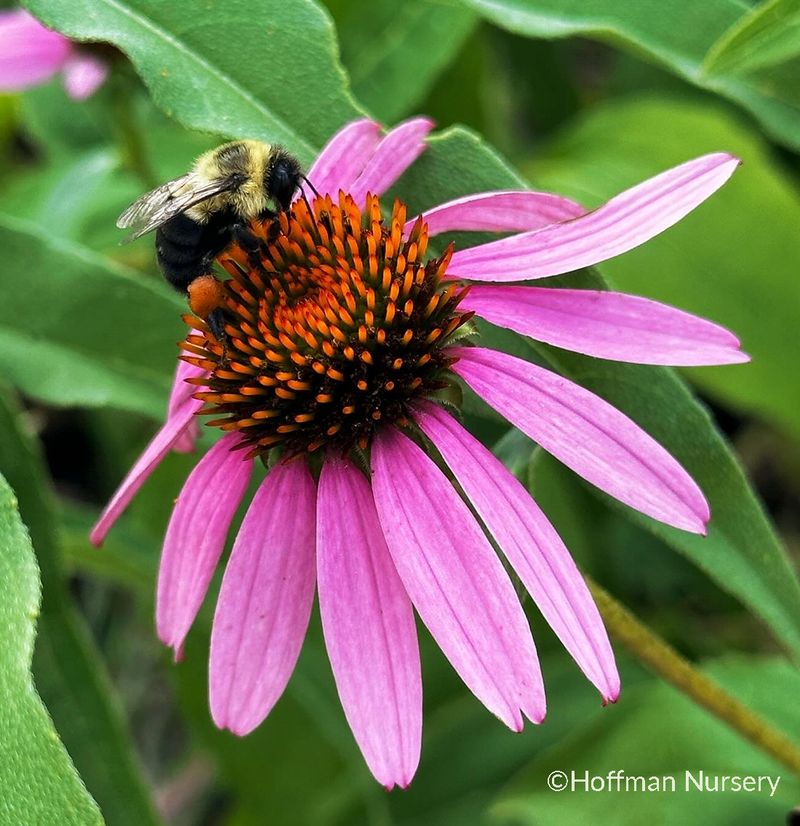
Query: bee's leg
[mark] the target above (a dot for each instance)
(274, 230)
(274, 225)
(248, 242)
(216, 323)
(245, 238)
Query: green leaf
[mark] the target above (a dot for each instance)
(394, 53)
(40, 784)
(79, 329)
(62, 195)
(68, 672)
(679, 35)
(733, 260)
(55, 123)
(764, 39)
(656, 731)
(266, 69)
(741, 553)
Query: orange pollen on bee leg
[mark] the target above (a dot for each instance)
(206, 294)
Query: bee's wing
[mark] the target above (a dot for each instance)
(156, 207)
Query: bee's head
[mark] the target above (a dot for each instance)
(282, 177)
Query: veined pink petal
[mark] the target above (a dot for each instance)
(369, 626)
(530, 543)
(265, 601)
(159, 447)
(607, 325)
(393, 155)
(587, 434)
(344, 157)
(29, 53)
(84, 74)
(455, 580)
(624, 222)
(196, 537)
(180, 392)
(499, 212)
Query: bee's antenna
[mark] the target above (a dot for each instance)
(313, 188)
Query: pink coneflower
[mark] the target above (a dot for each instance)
(342, 334)
(30, 54)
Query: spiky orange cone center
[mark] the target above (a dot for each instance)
(334, 322)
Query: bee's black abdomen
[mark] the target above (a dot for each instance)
(186, 249)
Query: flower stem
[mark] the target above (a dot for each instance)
(667, 663)
(130, 136)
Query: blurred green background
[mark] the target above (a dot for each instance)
(581, 98)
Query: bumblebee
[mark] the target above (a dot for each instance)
(197, 216)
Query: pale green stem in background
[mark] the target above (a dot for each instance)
(134, 151)
(668, 664)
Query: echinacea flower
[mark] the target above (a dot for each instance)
(31, 54)
(341, 334)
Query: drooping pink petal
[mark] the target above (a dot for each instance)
(624, 222)
(180, 392)
(530, 543)
(393, 155)
(587, 434)
(265, 601)
(84, 74)
(455, 580)
(151, 457)
(29, 53)
(196, 537)
(607, 325)
(499, 212)
(344, 157)
(369, 626)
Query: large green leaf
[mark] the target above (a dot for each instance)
(67, 669)
(763, 50)
(266, 69)
(681, 35)
(657, 732)
(734, 260)
(394, 53)
(741, 553)
(78, 328)
(39, 783)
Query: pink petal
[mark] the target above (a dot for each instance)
(530, 543)
(587, 434)
(607, 325)
(29, 53)
(623, 223)
(187, 441)
(265, 600)
(181, 391)
(499, 212)
(369, 626)
(455, 580)
(196, 537)
(344, 157)
(84, 74)
(159, 447)
(393, 155)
